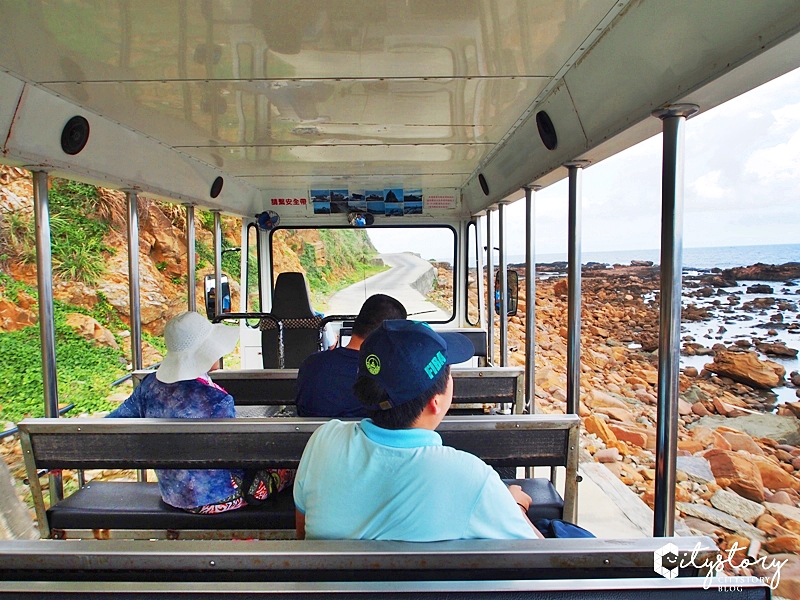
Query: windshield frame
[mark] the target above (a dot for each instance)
(455, 263)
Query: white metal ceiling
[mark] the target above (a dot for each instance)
(275, 94)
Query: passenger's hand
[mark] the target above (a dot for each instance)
(520, 497)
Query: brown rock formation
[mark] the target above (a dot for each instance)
(745, 367)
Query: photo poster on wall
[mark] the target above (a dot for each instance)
(393, 202)
(321, 201)
(374, 200)
(412, 202)
(388, 202)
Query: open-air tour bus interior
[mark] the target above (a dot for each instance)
(414, 121)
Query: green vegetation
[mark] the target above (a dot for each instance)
(76, 238)
(84, 371)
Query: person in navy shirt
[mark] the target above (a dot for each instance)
(325, 379)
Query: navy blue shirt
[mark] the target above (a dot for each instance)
(325, 385)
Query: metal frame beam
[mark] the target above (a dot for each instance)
(530, 298)
(191, 262)
(489, 290)
(503, 270)
(674, 121)
(574, 288)
(44, 282)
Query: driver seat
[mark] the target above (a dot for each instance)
(296, 336)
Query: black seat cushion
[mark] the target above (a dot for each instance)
(547, 504)
(119, 505)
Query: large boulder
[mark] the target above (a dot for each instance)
(739, 473)
(88, 328)
(782, 429)
(13, 317)
(745, 367)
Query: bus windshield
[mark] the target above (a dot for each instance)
(344, 267)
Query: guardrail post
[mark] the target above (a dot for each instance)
(47, 331)
(574, 288)
(489, 289)
(674, 121)
(191, 263)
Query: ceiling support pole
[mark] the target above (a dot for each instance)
(574, 288)
(674, 122)
(489, 289)
(47, 329)
(530, 299)
(191, 263)
(503, 270)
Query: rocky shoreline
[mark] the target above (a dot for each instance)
(739, 454)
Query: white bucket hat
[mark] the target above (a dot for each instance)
(194, 344)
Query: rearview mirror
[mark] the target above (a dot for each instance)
(512, 292)
(211, 295)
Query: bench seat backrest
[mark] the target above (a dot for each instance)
(278, 387)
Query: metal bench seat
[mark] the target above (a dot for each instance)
(135, 511)
(107, 509)
(138, 506)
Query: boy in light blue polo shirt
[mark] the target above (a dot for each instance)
(390, 477)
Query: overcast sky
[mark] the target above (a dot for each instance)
(742, 185)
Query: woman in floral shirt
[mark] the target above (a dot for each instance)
(182, 389)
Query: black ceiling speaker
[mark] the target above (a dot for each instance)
(75, 135)
(547, 130)
(216, 187)
(484, 185)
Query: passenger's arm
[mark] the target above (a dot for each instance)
(524, 502)
(131, 408)
(300, 524)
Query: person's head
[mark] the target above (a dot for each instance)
(375, 310)
(194, 345)
(404, 373)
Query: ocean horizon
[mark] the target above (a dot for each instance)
(722, 257)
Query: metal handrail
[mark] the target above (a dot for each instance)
(13, 430)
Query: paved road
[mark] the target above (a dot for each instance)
(405, 269)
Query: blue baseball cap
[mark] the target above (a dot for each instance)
(407, 358)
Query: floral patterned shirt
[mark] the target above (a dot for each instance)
(196, 399)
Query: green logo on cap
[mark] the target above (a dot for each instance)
(373, 364)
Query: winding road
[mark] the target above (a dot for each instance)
(406, 269)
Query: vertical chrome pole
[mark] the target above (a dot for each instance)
(217, 263)
(574, 288)
(674, 120)
(133, 280)
(191, 263)
(479, 276)
(47, 330)
(503, 270)
(133, 291)
(489, 289)
(530, 299)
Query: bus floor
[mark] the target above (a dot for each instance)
(604, 516)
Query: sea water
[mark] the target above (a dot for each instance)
(722, 257)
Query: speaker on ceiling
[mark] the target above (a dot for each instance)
(75, 135)
(484, 185)
(547, 130)
(216, 187)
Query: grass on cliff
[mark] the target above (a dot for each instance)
(76, 237)
(84, 371)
